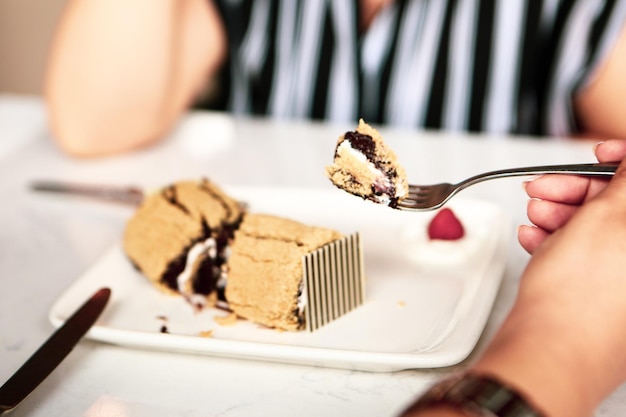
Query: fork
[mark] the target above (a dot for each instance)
(431, 197)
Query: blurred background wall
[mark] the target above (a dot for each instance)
(26, 27)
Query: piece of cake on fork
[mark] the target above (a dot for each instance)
(363, 165)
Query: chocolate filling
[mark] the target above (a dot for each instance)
(174, 268)
(210, 268)
(205, 281)
(363, 143)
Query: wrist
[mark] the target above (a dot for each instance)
(537, 355)
(472, 394)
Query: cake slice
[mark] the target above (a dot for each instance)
(363, 165)
(191, 239)
(270, 281)
(178, 238)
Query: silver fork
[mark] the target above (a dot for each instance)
(431, 197)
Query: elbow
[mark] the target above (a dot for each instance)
(84, 140)
(87, 143)
(93, 131)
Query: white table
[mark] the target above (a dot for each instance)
(48, 243)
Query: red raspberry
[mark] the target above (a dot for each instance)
(445, 226)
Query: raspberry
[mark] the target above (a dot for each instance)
(445, 226)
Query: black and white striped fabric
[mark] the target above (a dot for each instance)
(496, 66)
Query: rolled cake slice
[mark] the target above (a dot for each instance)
(266, 278)
(363, 165)
(178, 238)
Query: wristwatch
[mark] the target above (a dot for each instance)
(476, 396)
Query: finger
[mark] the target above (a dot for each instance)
(531, 237)
(549, 215)
(568, 189)
(613, 150)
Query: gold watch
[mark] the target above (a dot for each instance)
(476, 396)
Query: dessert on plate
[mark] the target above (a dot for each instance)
(365, 166)
(192, 239)
(267, 278)
(446, 240)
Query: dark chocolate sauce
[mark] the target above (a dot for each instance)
(170, 195)
(205, 187)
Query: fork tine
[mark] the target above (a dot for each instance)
(425, 189)
(421, 197)
(416, 188)
(416, 205)
(416, 191)
(426, 197)
(414, 198)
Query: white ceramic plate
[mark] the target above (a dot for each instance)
(426, 305)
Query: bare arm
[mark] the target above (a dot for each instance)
(563, 342)
(600, 106)
(121, 73)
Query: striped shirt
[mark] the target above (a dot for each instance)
(496, 66)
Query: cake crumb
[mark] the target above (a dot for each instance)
(401, 303)
(206, 333)
(163, 328)
(227, 320)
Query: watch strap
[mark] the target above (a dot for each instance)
(477, 396)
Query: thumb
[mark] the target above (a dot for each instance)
(613, 150)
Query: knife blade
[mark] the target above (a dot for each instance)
(121, 194)
(52, 352)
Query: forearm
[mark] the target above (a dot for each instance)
(120, 73)
(564, 357)
(561, 369)
(547, 370)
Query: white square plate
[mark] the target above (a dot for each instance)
(426, 304)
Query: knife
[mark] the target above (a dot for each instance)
(52, 352)
(121, 194)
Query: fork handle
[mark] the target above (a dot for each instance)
(594, 169)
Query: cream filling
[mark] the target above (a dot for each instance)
(302, 300)
(206, 248)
